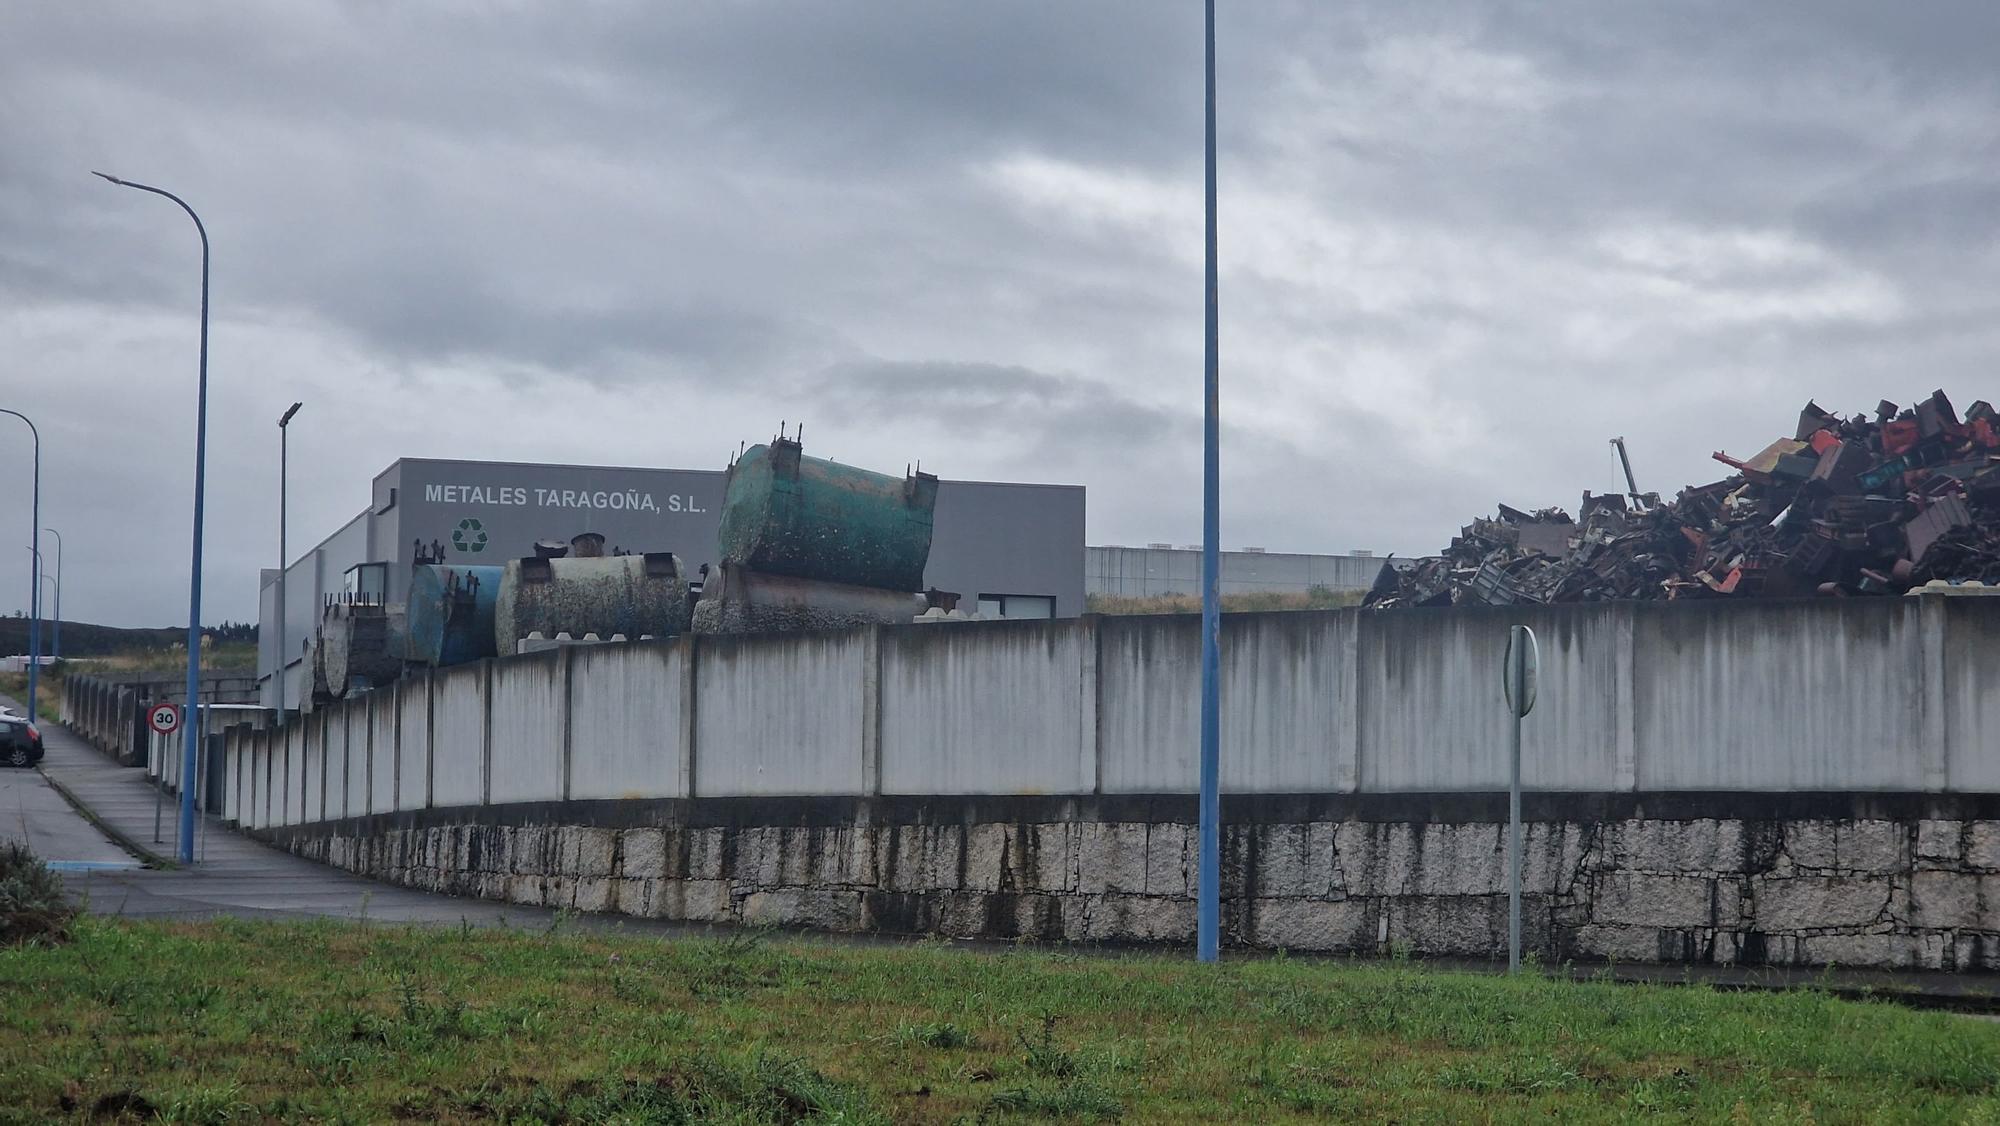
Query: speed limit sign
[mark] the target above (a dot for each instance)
(164, 718)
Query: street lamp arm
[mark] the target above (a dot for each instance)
(29, 421)
(203, 231)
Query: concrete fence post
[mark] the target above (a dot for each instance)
(1933, 719)
(430, 737)
(486, 732)
(1090, 688)
(871, 710)
(323, 722)
(684, 738)
(396, 738)
(1625, 711)
(566, 672)
(1347, 722)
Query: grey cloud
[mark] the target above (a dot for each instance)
(1464, 244)
(1041, 413)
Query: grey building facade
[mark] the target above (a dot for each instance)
(1015, 549)
(1146, 572)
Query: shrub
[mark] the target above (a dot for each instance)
(32, 907)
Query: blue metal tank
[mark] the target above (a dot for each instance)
(451, 614)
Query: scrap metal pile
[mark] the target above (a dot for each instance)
(1858, 505)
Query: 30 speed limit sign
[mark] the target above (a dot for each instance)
(164, 718)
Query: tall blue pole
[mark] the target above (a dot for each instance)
(188, 781)
(35, 575)
(1209, 925)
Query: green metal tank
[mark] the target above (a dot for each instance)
(787, 514)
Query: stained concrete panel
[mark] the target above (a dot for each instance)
(779, 715)
(1780, 695)
(356, 722)
(987, 708)
(625, 714)
(382, 750)
(458, 736)
(1285, 695)
(527, 709)
(1434, 715)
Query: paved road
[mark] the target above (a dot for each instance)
(33, 813)
(234, 875)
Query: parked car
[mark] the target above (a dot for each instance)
(20, 742)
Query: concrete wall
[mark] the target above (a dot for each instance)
(1372, 742)
(1883, 694)
(1890, 881)
(1143, 572)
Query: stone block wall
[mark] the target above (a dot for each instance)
(1892, 881)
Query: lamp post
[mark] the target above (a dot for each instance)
(35, 581)
(188, 784)
(284, 457)
(1209, 909)
(57, 646)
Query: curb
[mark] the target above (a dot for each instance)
(118, 837)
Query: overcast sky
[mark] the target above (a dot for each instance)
(1463, 245)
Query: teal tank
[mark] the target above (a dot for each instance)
(787, 514)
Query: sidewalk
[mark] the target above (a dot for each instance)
(233, 874)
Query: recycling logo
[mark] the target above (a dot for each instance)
(469, 536)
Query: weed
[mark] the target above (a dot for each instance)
(1061, 1100)
(942, 1035)
(1043, 1055)
(32, 907)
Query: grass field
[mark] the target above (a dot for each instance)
(234, 1021)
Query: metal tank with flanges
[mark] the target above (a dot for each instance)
(634, 595)
(451, 614)
(787, 514)
(808, 543)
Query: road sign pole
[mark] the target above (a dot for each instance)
(1519, 677)
(162, 720)
(1514, 831)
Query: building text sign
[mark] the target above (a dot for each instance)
(520, 496)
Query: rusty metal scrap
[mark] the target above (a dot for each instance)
(1846, 506)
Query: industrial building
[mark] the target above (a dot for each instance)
(1010, 550)
(1162, 569)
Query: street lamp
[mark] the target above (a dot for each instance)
(284, 457)
(59, 553)
(35, 580)
(188, 783)
(1208, 912)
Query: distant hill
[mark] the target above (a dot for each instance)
(82, 639)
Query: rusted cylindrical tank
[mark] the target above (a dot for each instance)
(787, 514)
(628, 594)
(451, 614)
(745, 601)
(362, 645)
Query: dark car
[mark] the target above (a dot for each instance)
(20, 743)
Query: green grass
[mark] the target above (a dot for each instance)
(235, 1021)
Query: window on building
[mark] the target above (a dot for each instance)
(367, 582)
(1017, 606)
